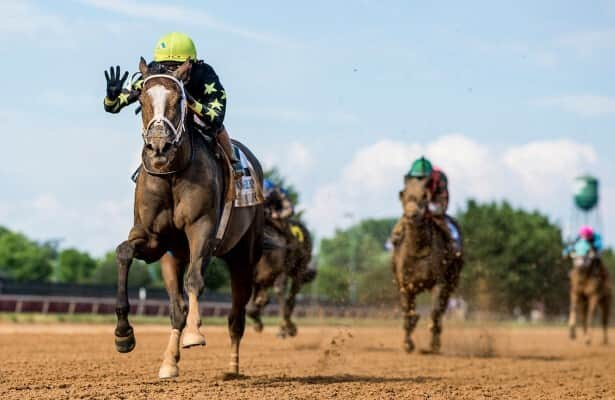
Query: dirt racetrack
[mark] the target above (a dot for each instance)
(79, 361)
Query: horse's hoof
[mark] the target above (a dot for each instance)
(409, 346)
(191, 339)
(125, 344)
(292, 330)
(168, 371)
(258, 327)
(282, 333)
(573, 334)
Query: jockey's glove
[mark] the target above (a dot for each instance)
(114, 82)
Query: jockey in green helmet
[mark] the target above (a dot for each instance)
(437, 186)
(206, 96)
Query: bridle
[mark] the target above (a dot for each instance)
(162, 120)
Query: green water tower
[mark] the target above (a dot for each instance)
(586, 192)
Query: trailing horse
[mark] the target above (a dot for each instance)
(283, 258)
(589, 288)
(423, 259)
(179, 207)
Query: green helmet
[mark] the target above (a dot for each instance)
(421, 168)
(174, 46)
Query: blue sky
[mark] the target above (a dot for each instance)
(512, 100)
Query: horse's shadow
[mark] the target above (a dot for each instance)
(341, 378)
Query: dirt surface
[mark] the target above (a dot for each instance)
(79, 361)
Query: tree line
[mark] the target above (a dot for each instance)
(513, 262)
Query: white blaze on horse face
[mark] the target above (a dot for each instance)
(159, 95)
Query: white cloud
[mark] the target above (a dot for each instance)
(178, 14)
(545, 166)
(583, 105)
(534, 175)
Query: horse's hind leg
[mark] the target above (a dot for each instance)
(124, 334)
(172, 272)
(441, 295)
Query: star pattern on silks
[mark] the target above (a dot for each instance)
(223, 97)
(216, 105)
(212, 114)
(210, 88)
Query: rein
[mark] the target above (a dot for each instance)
(162, 120)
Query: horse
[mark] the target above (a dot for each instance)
(423, 259)
(283, 258)
(180, 199)
(589, 288)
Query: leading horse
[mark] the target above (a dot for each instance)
(178, 208)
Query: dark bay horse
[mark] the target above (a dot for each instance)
(589, 288)
(178, 207)
(283, 259)
(423, 260)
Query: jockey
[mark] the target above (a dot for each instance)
(587, 240)
(437, 186)
(277, 204)
(206, 97)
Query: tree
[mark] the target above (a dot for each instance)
(360, 248)
(23, 259)
(106, 272)
(74, 266)
(513, 254)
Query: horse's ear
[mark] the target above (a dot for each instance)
(183, 71)
(143, 67)
(401, 195)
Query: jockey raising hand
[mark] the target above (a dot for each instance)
(205, 94)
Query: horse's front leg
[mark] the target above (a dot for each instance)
(441, 295)
(254, 309)
(124, 335)
(279, 288)
(200, 240)
(592, 302)
(136, 247)
(172, 271)
(572, 319)
(289, 306)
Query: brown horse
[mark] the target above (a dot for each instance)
(423, 260)
(179, 203)
(589, 288)
(283, 258)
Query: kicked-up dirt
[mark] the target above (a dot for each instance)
(79, 361)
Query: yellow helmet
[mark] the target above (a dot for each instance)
(174, 46)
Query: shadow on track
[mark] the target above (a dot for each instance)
(341, 378)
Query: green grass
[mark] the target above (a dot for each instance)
(38, 318)
(110, 319)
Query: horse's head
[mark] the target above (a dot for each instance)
(415, 199)
(163, 109)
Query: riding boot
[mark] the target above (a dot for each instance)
(225, 142)
(440, 220)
